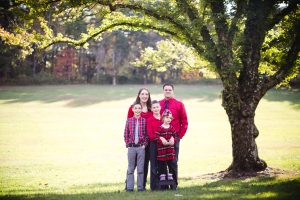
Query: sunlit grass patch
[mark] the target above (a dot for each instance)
(67, 142)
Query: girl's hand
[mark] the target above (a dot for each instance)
(163, 140)
(171, 141)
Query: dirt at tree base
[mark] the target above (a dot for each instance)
(268, 172)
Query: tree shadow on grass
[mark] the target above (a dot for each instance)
(255, 188)
(73, 95)
(281, 95)
(85, 95)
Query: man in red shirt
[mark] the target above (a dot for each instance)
(180, 120)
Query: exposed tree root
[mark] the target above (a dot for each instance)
(231, 174)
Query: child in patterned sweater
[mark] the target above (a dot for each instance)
(166, 156)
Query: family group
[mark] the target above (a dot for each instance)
(152, 134)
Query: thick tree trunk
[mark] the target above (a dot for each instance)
(114, 71)
(145, 75)
(244, 133)
(244, 148)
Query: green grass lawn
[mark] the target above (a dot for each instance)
(67, 142)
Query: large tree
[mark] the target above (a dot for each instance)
(253, 45)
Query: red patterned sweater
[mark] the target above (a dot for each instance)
(165, 152)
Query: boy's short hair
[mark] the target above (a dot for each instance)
(168, 84)
(136, 103)
(154, 102)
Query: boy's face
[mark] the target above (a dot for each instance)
(155, 108)
(137, 109)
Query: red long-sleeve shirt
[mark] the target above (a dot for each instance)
(180, 120)
(152, 126)
(143, 114)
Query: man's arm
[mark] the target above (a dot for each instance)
(183, 121)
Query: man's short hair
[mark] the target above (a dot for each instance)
(168, 84)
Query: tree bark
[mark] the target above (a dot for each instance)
(114, 70)
(243, 132)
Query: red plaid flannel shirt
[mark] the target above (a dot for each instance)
(130, 130)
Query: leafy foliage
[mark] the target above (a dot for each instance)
(171, 57)
(215, 29)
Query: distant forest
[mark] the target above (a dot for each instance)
(116, 58)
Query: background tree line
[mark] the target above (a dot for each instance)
(117, 57)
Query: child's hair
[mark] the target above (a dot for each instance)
(154, 102)
(136, 103)
(166, 113)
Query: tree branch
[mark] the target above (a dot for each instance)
(241, 7)
(287, 65)
(209, 43)
(120, 24)
(284, 12)
(219, 18)
(254, 35)
(188, 9)
(152, 13)
(223, 53)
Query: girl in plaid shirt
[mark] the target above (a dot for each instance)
(166, 156)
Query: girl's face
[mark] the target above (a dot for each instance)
(155, 108)
(167, 119)
(144, 96)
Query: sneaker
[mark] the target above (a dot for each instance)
(141, 190)
(129, 190)
(162, 177)
(170, 177)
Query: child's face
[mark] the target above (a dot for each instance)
(167, 119)
(155, 108)
(137, 109)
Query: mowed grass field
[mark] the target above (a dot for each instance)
(66, 142)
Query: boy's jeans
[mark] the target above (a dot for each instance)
(133, 153)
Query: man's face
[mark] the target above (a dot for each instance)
(155, 108)
(137, 109)
(168, 92)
